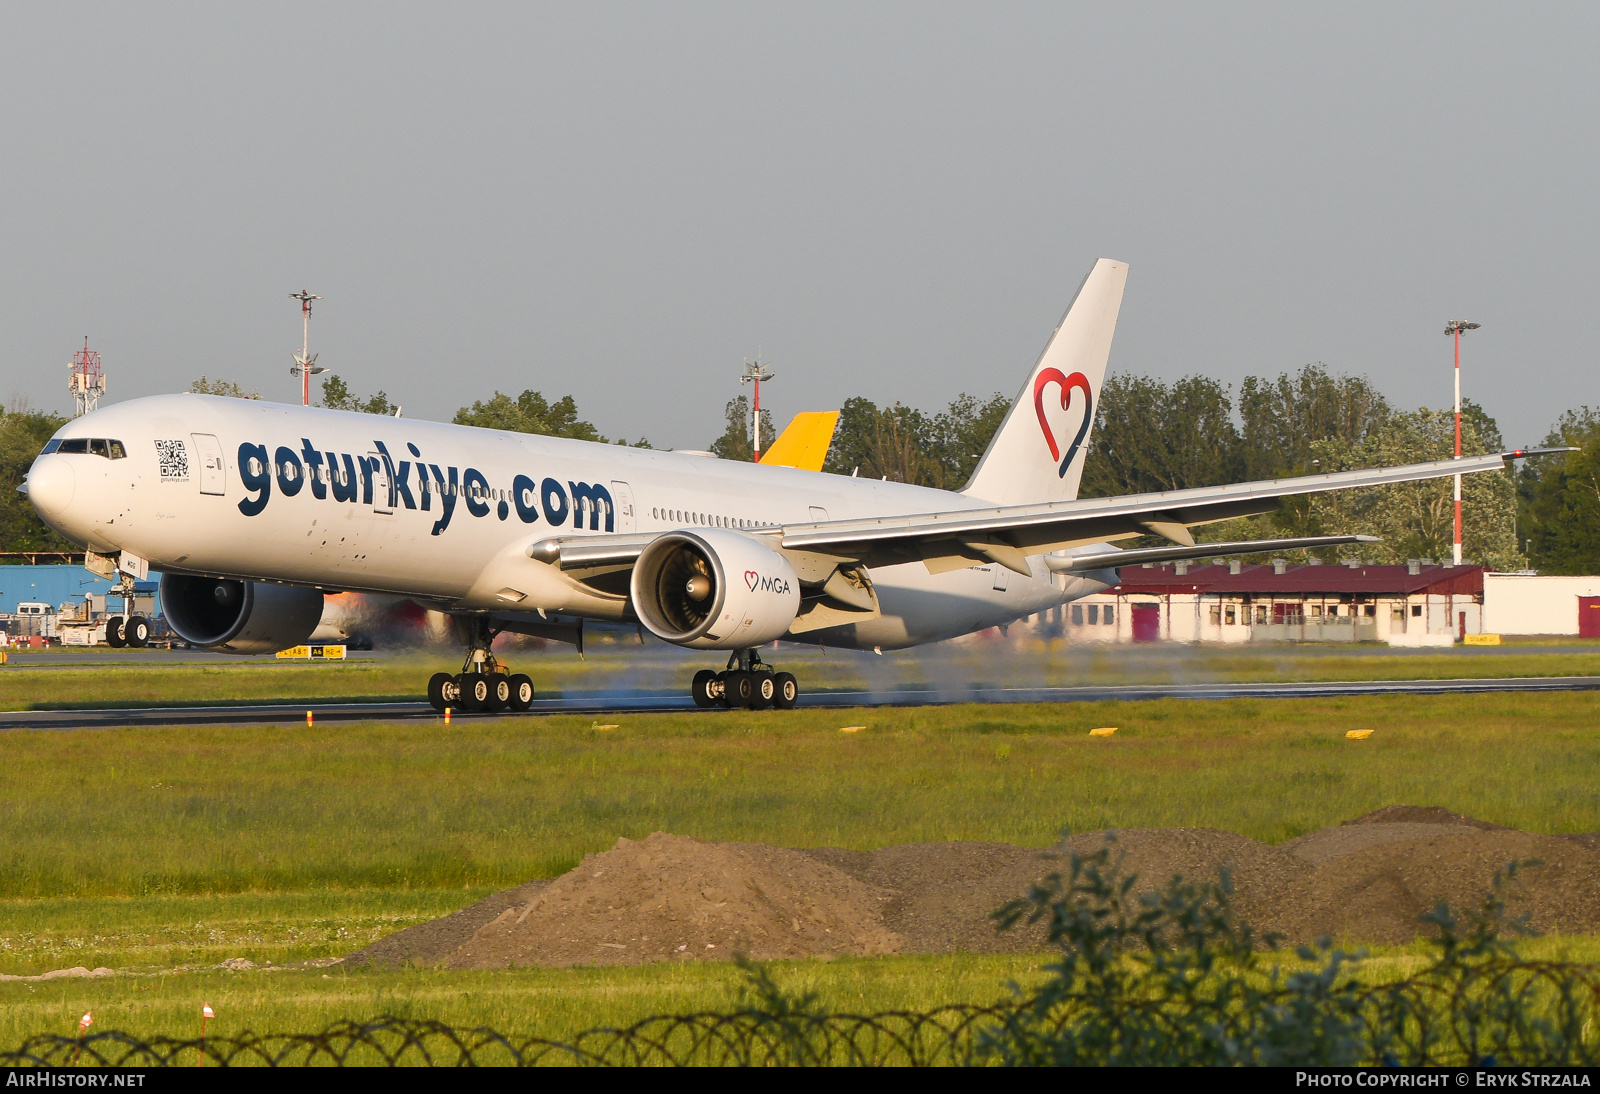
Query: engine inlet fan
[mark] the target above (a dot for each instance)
(685, 588)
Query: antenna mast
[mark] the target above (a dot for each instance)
(85, 380)
(305, 364)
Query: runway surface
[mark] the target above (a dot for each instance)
(626, 703)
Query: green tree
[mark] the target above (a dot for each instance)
(904, 444)
(204, 386)
(734, 444)
(1149, 436)
(1281, 419)
(1415, 519)
(1559, 498)
(23, 433)
(960, 433)
(530, 412)
(336, 395)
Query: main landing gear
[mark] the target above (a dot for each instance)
(747, 682)
(483, 684)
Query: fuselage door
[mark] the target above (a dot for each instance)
(622, 501)
(213, 475)
(381, 501)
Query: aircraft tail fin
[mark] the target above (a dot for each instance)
(804, 444)
(1038, 452)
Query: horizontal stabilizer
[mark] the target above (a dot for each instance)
(1100, 560)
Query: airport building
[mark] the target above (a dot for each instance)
(1418, 603)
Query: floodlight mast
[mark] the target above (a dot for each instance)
(755, 372)
(305, 364)
(1454, 329)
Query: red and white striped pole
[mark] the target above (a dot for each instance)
(1454, 328)
(755, 372)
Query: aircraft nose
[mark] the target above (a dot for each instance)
(51, 484)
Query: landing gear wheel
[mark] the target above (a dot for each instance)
(467, 690)
(478, 691)
(137, 632)
(114, 637)
(741, 689)
(700, 688)
(765, 691)
(786, 691)
(499, 697)
(442, 691)
(521, 692)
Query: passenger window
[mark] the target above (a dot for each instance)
(117, 451)
(97, 447)
(74, 448)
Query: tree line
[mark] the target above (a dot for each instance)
(1150, 435)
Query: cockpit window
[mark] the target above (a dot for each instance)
(78, 446)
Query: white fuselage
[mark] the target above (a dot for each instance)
(248, 494)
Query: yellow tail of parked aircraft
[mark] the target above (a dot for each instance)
(804, 445)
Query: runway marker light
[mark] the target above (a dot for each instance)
(83, 1027)
(1104, 731)
(308, 717)
(851, 729)
(1358, 734)
(446, 715)
(206, 1014)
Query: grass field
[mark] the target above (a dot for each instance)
(155, 849)
(51, 680)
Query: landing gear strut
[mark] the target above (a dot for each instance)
(747, 682)
(483, 683)
(125, 629)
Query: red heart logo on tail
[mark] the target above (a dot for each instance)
(1068, 384)
(750, 579)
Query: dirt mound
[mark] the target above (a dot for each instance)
(942, 894)
(1421, 814)
(1256, 869)
(1327, 844)
(432, 942)
(1376, 893)
(676, 898)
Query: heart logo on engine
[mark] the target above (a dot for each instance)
(1077, 381)
(750, 579)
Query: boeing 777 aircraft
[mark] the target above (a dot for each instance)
(252, 511)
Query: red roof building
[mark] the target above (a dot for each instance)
(1416, 603)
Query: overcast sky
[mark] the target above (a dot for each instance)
(622, 202)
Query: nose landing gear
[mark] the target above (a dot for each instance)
(483, 684)
(747, 682)
(125, 629)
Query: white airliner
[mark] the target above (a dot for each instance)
(251, 511)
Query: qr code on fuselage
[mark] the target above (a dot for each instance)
(174, 459)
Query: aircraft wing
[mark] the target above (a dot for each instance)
(1007, 535)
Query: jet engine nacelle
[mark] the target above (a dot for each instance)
(713, 589)
(239, 616)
